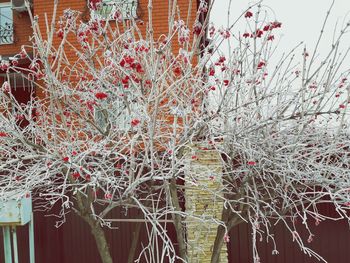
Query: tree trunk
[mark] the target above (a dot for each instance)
(219, 241)
(178, 221)
(101, 242)
(135, 239)
(230, 220)
(84, 211)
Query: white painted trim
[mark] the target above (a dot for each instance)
(6, 4)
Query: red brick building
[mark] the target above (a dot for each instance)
(72, 243)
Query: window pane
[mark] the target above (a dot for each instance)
(6, 25)
(128, 8)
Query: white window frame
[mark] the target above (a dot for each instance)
(9, 5)
(118, 114)
(130, 13)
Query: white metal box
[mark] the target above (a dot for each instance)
(16, 212)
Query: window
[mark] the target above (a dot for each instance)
(18, 80)
(23, 91)
(6, 23)
(118, 112)
(127, 8)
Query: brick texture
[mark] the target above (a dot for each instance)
(204, 203)
(41, 8)
(187, 10)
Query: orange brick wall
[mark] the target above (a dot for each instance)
(23, 30)
(160, 18)
(160, 13)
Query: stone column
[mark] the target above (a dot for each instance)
(203, 192)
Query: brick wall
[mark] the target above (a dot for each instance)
(186, 9)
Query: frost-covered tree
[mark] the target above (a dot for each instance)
(112, 128)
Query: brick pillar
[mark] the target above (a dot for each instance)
(203, 199)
